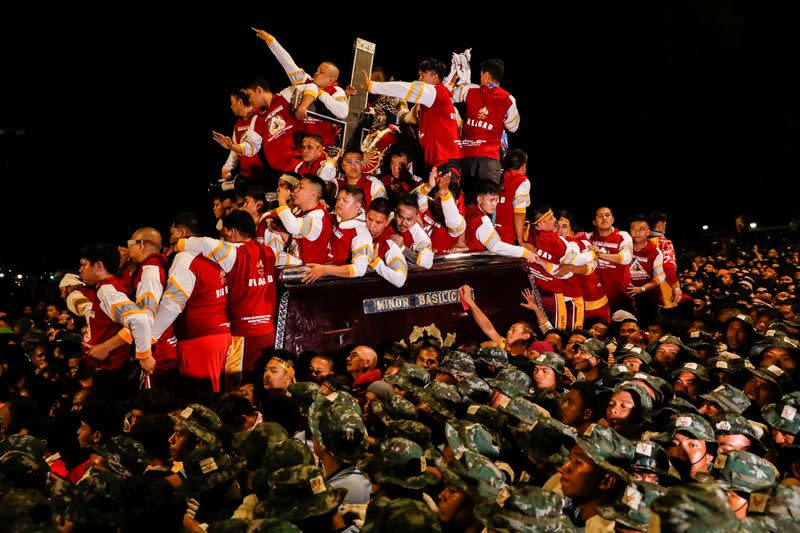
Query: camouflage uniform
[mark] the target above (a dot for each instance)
(400, 462)
(462, 436)
(300, 492)
(631, 509)
(403, 514)
(524, 509)
(729, 399)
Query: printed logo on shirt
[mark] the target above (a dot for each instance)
(483, 113)
(276, 125)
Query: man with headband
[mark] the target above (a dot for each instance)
(553, 252)
(314, 159)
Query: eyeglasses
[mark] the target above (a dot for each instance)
(357, 162)
(132, 243)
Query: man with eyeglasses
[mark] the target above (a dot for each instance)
(320, 367)
(314, 159)
(352, 166)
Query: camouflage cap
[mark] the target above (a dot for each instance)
(696, 369)
(22, 470)
(457, 363)
(526, 509)
(783, 415)
(306, 393)
(780, 501)
(300, 492)
(616, 373)
(643, 399)
(675, 406)
(608, 449)
(774, 375)
(691, 424)
(631, 510)
(403, 514)
(338, 427)
(661, 388)
(547, 440)
(27, 510)
(288, 453)
(778, 339)
(417, 375)
(551, 360)
(743, 318)
(728, 398)
(733, 424)
(632, 350)
(596, 348)
(743, 471)
(474, 389)
(474, 474)
(762, 522)
(95, 500)
(401, 382)
(491, 418)
(23, 443)
(442, 398)
(463, 436)
(701, 339)
(520, 411)
(209, 467)
(695, 507)
(253, 444)
(395, 408)
(411, 430)
(511, 382)
(727, 365)
(399, 462)
(650, 457)
(492, 356)
(124, 456)
(200, 421)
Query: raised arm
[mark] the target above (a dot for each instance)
(296, 75)
(483, 322)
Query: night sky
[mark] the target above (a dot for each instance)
(690, 108)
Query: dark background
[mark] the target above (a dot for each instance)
(691, 107)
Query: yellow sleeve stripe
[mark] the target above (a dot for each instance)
(131, 312)
(310, 92)
(281, 208)
(374, 263)
(177, 287)
(410, 90)
(447, 196)
(520, 210)
(306, 228)
(181, 246)
(125, 335)
(351, 273)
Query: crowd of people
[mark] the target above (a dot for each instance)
(633, 393)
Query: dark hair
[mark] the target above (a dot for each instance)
(242, 222)
(257, 193)
(103, 415)
(282, 409)
(599, 207)
(589, 391)
(232, 409)
(433, 65)
(484, 187)
(656, 217)
(258, 82)
(151, 401)
(316, 181)
(515, 159)
(640, 217)
(189, 221)
(536, 211)
(382, 206)
(353, 150)
(408, 200)
(495, 68)
(241, 95)
(100, 252)
(338, 382)
(354, 191)
(313, 136)
(153, 432)
(569, 216)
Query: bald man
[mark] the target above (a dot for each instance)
(362, 364)
(149, 278)
(321, 86)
